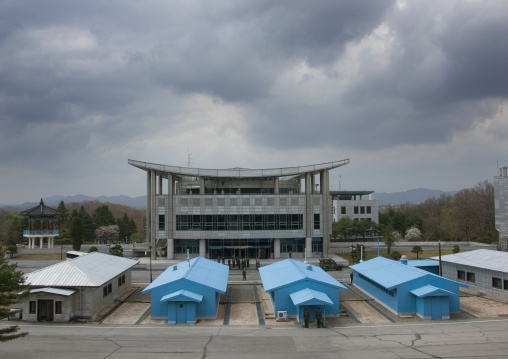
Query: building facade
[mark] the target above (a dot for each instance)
(78, 288)
(357, 205)
(188, 291)
(483, 270)
(501, 207)
(263, 213)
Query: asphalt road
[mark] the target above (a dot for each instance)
(471, 339)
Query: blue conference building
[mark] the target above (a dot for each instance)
(188, 291)
(293, 286)
(407, 290)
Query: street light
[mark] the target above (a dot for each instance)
(150, 254)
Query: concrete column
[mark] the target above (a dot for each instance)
(326, 211)
(276, 185)
(276, 248)
(41, 242)
(171, 248)
(202, 248)
(312, 183)
(160, 185)
(201, 185)
(308, 246)
(308, 220)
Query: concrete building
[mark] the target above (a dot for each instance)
(188, 291)
(357, 205)
(294, 285)
(407, 290)
(501, 207)
(483, 270)
(262, 213)
(78, 288)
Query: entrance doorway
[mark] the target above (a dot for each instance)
(242, 248)
(45, 310)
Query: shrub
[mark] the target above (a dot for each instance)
(395, 255)
(456, 248)
(93, 249)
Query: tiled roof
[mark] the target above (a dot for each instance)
(90, 270)
(479, 258)
(41, 210)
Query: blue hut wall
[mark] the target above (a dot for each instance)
(388, 298)
(207, 309)
(282, 300)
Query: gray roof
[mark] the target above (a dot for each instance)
(91, 270)
(479, 258)
(237, 172)
(41, 210)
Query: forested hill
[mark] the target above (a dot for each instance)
(413, 196)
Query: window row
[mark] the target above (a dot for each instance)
(377, 285)
(107, 290)
(240, 222)
(500, 283)
(467, 276)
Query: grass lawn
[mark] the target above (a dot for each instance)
(410, 255)
(38, 257)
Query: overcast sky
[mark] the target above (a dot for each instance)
(414, 93)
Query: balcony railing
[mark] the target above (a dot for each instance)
(44, 232)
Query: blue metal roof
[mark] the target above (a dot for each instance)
(310, 297)
(290, 271)
(430, 290)
(182, 295)
(389, 273)
(198, 270)
(423, 263)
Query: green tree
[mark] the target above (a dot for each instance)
(63, 219)
(12, 249)
(137, 238)
(395, 256)
(103, 217)
(434, 236)
(76, 232)
(116, 250)
(93, 249)
(88, 225)
(342, 228)
(12, 289)
(417, 250)
(389, 238)
(456, 249)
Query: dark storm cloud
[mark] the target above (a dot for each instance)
(446, 72)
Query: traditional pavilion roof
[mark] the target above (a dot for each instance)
(289, 271)
(41, 210)
(238, 172)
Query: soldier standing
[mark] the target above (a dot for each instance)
(244, 274)
(306, 317)
(319, 318)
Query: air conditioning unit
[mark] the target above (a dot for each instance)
(282, 315)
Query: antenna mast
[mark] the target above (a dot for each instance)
(188, 157)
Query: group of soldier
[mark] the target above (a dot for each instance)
(319, 318)
(236, 262)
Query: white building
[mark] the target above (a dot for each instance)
(76, 288)
(501, 206)
(483, 270)
(357, 205)
(247, 213)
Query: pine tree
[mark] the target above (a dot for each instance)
(11, 284)
(63, 218)
(76, 233)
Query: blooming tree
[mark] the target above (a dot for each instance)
(106, 234)
(413, 234)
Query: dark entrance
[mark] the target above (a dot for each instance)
(242, 248)
(45, 310)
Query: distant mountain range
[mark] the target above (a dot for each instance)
(413, 196)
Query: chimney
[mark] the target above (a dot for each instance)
(403, 259)
(309, 266)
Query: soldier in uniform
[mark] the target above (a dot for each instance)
(306, 317)
(244, 274)
(319, 318)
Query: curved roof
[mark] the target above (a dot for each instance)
(238, 172)
(41, 210)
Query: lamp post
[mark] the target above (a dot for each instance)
(352, 256)
(150, 254)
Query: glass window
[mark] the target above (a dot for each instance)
(342, 210)
(105, 291)
(58, 307)
(162, 224)
(362, 209)
(505, 284)
(369, 210)
(110, 288)
(461, 275)
(497, 283)
(356, 210)
(470, 277)
(33, 307)
(317, 224)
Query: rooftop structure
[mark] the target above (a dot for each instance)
(37, 216)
